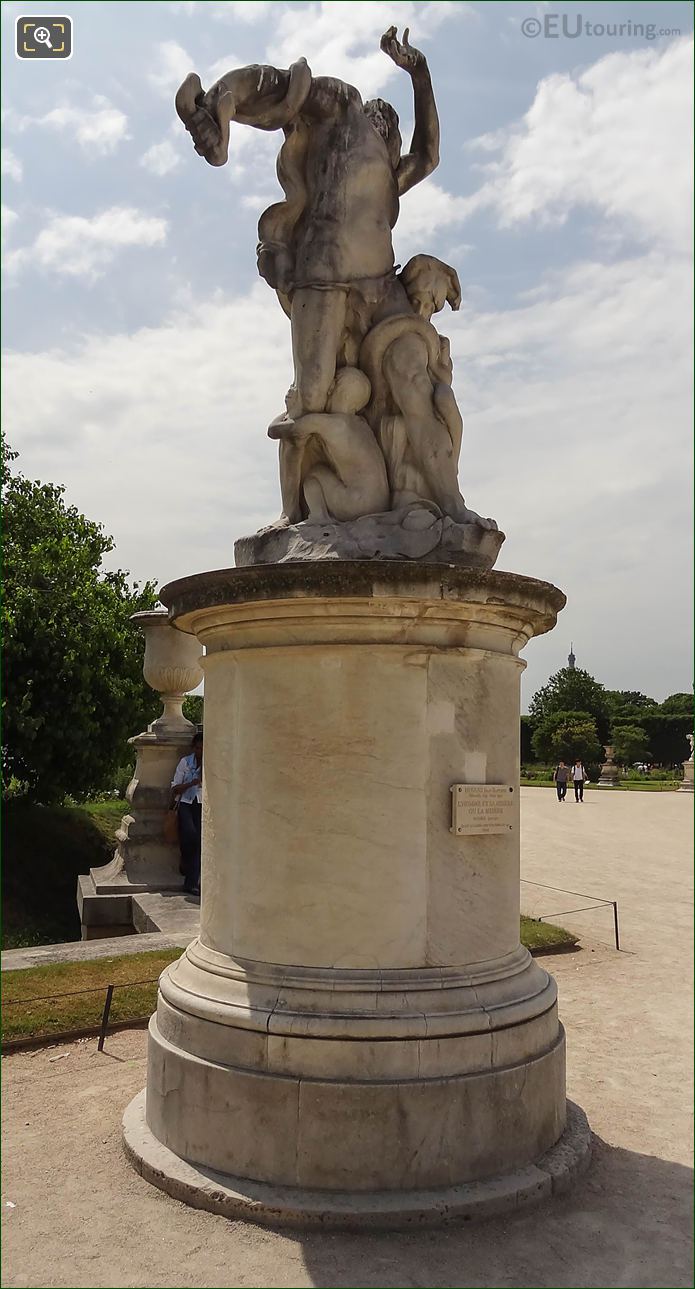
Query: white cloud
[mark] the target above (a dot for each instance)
(74, 246)
(161, 434)
(9, 217)
(339, 38)
(424, 211)
(10, 165)
(249, 12)
(98, 130)
(614, 138)
(225, 63)
(161, 158)
(577, 440)
(170, 65)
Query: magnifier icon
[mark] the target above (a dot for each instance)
(42, 36)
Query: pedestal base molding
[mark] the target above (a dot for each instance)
(301, 1209)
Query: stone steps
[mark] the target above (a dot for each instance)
(171, 912)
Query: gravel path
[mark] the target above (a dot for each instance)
(82, 1217)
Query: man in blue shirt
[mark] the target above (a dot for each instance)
(187, 786)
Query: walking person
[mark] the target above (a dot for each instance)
(187, 785)
(561, 774)
(579, 777)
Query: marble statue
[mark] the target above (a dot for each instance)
(370, 439)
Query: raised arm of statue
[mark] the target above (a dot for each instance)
(423, 157)
(265, 97)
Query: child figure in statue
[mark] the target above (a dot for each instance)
(331, 467)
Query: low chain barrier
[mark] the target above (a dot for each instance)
(103, 1027)
(596, 903)
(87, 1031)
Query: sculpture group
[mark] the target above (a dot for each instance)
(357, 1036)
(370, 438)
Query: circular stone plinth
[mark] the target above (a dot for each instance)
(278, 1206)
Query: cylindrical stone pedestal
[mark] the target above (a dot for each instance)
(357, 1034)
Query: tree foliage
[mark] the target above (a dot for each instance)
(624, 702)
(678, 705)
(666, 734)
(630, 744)
(526, 745)
(74, 688)
(663, 726)
(193, 708)
(572, 690)
(567, 736)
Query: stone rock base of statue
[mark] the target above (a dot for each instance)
(687, 784)
(287, 1207)
(416, 533)
(357, 1036)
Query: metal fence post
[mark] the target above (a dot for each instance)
(105, 1018)
(615, 924)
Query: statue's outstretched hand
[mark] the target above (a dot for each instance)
(206, 117)
(204, 131)
(402, 54)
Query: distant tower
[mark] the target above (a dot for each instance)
(571, 658)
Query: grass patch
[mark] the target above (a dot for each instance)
(625, 786)
(44, 848)
(72, 1010)
(628, 786)
(66, 1009)
(545, 936)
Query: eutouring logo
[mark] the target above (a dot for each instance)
(570, 26)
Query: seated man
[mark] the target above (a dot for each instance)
(331, 466)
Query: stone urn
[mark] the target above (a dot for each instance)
(609, 772)
(171, 667)
(144, 860)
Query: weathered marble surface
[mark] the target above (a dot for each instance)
(416, 534)
(357, 1008)
(371, 428)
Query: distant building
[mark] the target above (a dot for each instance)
(571, 658)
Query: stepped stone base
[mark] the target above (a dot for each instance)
(294, 1207)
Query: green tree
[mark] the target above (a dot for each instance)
(630, 744)
(74, 686)
(572, 690)
(678, 705)
(622, 702)
(193, 708)
(525, 742)
(666, 732)
(566, 736)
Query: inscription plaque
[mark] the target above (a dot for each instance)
(481, 808)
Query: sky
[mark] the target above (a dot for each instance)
(144, 359)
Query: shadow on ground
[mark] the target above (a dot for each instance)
(627, 1222)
